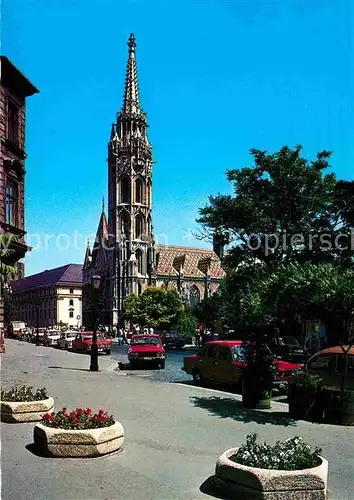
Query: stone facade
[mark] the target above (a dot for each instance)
(124, 253)
(14, 90)
(49, 298)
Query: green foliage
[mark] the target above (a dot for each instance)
(291, 454)
(21, 392)
(186, 323)
(7, 272)
(306, 379)
(156, 306)
(281, 196)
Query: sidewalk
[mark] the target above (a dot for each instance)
(173, 433)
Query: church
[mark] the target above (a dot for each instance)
(124, 253)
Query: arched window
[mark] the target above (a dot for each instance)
(139, 191)
(138, 227)
(139, 258)
(125, 225)
(124, 190)
(148, 193)
(194, 295)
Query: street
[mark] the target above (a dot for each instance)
(174, 433)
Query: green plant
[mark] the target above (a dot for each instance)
(23, 393)
(305, 379)
(291, 454)
(78, 419)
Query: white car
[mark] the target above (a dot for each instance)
(66, 340)
(51, 337)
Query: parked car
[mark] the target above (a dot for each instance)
(83, 342)
(224, 361)
(146, 349)
(288, 349)
(51, 338)
(329, 364)
(15, 329)
(172, 340)
(66, 339)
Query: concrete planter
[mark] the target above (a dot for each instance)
(20, 411)
(78, 443)
(269, 484)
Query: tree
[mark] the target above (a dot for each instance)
(156, 306)
(186, 322)
(284, 209)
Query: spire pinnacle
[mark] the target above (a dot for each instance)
(102, 204)
(131, 101)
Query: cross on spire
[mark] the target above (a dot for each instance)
(131, 101)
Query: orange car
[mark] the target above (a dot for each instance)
(329, 365)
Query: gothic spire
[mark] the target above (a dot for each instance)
(131, 101)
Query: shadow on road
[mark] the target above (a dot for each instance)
(209, 488)
(231, 408)
(69, 368)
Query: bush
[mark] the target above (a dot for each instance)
(23, 393)
(305, 379)
(78, 419)
(291, 454)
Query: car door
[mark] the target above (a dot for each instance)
(324, 366)
(61, 341)
(205, 362)
(340, 371)
(78, 342)
(223, 369)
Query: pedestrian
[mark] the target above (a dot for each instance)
(120, 336)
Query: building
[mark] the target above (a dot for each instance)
(54, 295)
(14, 89)
(124, 253)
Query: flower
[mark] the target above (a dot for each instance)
(77, 421)
(88, 411)
(101, 412)
(79, 418)
(79, 411)
(72, 415)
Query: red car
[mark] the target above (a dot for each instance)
(83, 342)
(146, 349)
(224, 361)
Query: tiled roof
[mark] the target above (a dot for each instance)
(70, 274)
(191, 257)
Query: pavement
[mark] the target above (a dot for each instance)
(174, 433)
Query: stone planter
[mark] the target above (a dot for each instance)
(55, 442)
(269, 484)
(20, 411)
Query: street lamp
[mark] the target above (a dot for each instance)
(37, 303)
(96, 282)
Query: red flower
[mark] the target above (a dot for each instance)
(101, 418)
(101, 412)
(77, 421)
(72, 415)
(88, 411)
(79, 411)
(63, 410)
(47, 416)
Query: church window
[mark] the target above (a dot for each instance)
(138, 227)
(12, 122)
(139, 258)
(124, 190)
(194, 295)
(125, 225)
(138, 191)
(11, 213)
(148, 192)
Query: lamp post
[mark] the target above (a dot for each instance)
(96, 281)
(37, 303)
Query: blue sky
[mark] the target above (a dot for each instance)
(216, 79)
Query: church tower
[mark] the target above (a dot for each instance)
(130, 195)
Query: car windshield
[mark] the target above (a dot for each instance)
(290, 341)
(240, 352)
(53, 333)
(146, 340)
(70, 335)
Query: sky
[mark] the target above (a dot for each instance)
(216, 78)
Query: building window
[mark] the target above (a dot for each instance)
(139, 258)
(194, 295)
(71, 290)
(125, 190)
(12, 122)
(71, 302)
(138, 227)
(11, 214)
(138, 191)
(71, 314)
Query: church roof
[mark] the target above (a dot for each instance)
(70, 274)
(194, 261)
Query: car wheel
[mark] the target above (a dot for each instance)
(197, 377)
(108, 352)
(161, 365)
